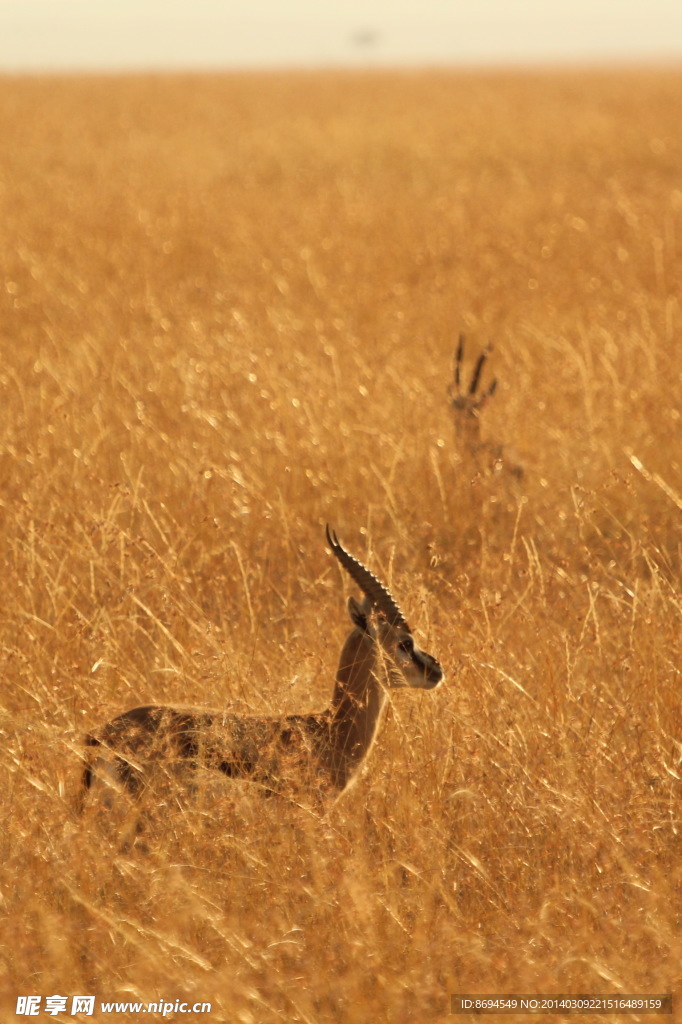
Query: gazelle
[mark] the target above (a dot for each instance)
(320, 752)
(467, 404)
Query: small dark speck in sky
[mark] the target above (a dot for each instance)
(364, 37)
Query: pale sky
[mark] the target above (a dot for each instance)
(73, 35)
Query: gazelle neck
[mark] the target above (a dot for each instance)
(357, 703)
(467, 432)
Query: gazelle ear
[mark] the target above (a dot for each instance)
(359, 612)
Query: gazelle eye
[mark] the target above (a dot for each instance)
(406, 645)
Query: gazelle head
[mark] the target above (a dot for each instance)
(380, 619)
(469, 401)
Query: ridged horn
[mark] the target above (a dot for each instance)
(378, 594)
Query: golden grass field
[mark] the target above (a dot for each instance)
(228, 308)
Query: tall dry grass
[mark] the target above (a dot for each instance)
(228, 308)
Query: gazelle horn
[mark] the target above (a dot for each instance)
(378, 594)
